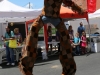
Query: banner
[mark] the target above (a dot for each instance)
(91, 5)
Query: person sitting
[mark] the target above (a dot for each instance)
(72, 45)
(71, 32)
(76, 43)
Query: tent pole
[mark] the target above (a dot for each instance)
(25, 26)
(1, 30)
(89, 34)
(7, 22)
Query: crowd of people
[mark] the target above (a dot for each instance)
(79, 41)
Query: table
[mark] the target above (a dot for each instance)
(53, 42)
(95, 42)
(2, 52)
(17, 51)
(95, 45)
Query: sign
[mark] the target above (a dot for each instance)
(93, 28)
(41, 32)
(91, 5)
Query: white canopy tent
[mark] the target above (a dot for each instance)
(10, 11)
(15, 19)
(95, 14)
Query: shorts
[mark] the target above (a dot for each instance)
(54, 21)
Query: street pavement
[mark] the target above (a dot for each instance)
(86, 65)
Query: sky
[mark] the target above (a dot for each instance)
(35, 4)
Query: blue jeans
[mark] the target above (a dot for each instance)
(54, 21)
(77, 49)
(10, 54)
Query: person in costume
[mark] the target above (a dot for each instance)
(50, 14)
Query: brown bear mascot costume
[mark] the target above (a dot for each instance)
(50, 14)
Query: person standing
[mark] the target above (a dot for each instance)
(80, 29)
(9, 51)
(58, 39)
(83, 43)
(50, 37)
(71, 32)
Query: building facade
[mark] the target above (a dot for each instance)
(83, 3)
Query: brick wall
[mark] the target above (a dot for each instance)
(83, 3)
(98, 4)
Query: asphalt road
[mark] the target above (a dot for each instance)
(86, 65)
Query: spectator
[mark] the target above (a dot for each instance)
(50, 37)
(71, 32)
(9, 51)
(73, 48)
(77, 43)
(58, 39)
(18, 35)
(83, 43)
(80, 29)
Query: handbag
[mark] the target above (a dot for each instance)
(13, 43)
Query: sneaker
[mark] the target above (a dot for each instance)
(12, 64)
(8, 64)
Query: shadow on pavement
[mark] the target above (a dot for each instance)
(50, 58)
(4, 66)
(38, 60)
(89, 53)
(41, 64)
